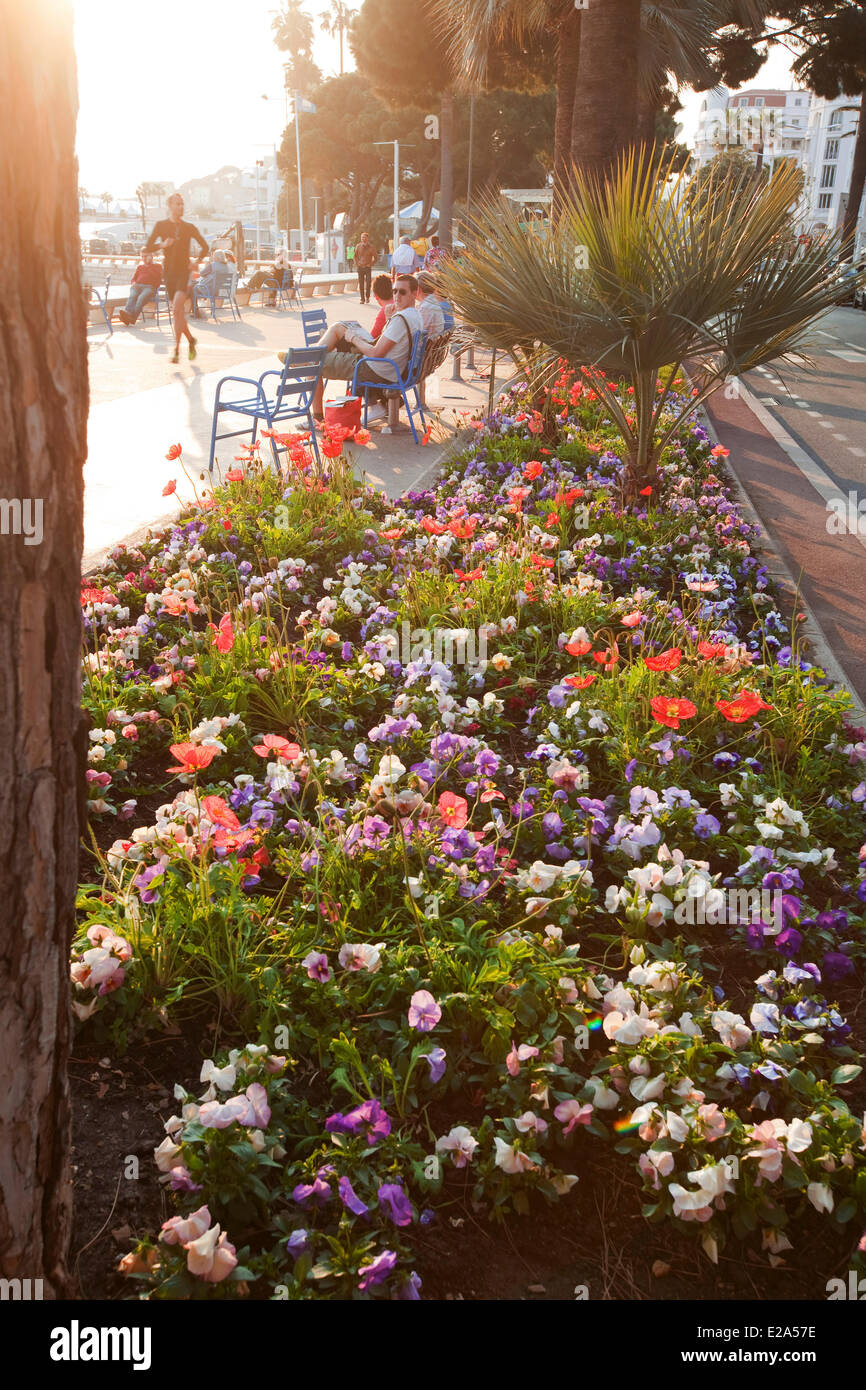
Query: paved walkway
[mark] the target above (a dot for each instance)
(140, 405)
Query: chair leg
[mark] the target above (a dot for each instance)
(405, 399)
(393, 410)
(213, 434)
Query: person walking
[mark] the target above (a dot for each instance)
(174, 236)
(145, 283)
(405, 260)
(366, 256)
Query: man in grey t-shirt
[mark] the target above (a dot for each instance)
(395, 342)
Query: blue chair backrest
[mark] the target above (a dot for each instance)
(315, 323)
(447, 315)
(416, 356)
(301, 370)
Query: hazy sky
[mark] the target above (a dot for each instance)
(171, 89)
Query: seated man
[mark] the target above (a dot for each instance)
(383, 293)
(145, 283)
(428, 306)
(217, 277)
(395, 342)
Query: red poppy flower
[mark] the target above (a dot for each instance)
(710, 649)
(578, 648)
(225, 633)
(219, 813)
(646, 491)
(720, 452)
(466, 577)
(332, 448)
(96, 596)
(275, 744)
(665, 661)
(425, 438)
(433, 528)
(670, 712)
(169, 488)
(541, 562)
(605, 658)
(454, 810)
(463, 530)
(579, 682)
(743, 706)
(235, 475)
(174, 452)
(191, 756)
(362, 436)
(533, 470)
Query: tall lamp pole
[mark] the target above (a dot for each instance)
(259, 165)
(396, 144)
(300, 182)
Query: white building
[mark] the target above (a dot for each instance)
(768, 123)
(830, 154)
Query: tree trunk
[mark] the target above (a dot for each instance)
(567, 54)
(858, 177)
(604, 120)
(43, 413)
(446, 175)
(647, 107)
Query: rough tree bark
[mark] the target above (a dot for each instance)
(446, 177)
(43, 410)
(567, 56)
(858, 177)
(604, 119)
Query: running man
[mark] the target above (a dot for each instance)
(175, 236)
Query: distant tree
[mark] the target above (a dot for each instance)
(293, 34)
(337, 20)
(82, 196)
(409, 65)
(735, 167)
(107, 199)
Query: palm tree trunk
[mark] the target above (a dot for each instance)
(604, 118)
(858, 177)
(43, 413)
(446, 177)
(567, 54)
(646, 118)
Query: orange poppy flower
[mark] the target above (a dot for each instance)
(670, 712)
(710, 649)
(743, 706)
(665, 661)
(578, 648)
(224, 639)
(235, 475)
(392, 535)
(463, 530)
(433, 528)
(219, 813)
(174, 452)
(275, 744)
(579, 682)
(646, 491)
(541, 562)
(169, 488)
(454, 810)
(466, 577)
(606, 658)
(191, 756)
(533, 470)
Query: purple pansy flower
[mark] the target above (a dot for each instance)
(377, 1271)
(393, 1200)
(424, 1012)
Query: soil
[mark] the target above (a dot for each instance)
(593, 1244)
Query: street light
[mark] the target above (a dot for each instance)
(396, 144)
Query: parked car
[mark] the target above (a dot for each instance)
(97, 246)
(127, 248)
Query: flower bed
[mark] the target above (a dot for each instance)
(581, 867)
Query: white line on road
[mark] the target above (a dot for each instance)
(842, 438)
(858, 453)
(811, 470)
(848, 356)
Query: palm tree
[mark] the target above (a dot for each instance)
(336, 21)
(107, 199)
(83, 195)
(663, 277)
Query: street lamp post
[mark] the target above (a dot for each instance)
(259, 165)
(396, 144)
(300, 182)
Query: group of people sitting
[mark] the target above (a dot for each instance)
(214, 280)
(412, 304)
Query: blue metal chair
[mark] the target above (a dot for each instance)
(406, 382)
(227, 294)
(284, 294)
(315, 322)
(102, 301)
(162, 299)
(293, 399)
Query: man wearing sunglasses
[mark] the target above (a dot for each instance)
(345, 348)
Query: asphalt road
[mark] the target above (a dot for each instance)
(824, 408)
(799, 445)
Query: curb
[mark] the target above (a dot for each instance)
(778, 569)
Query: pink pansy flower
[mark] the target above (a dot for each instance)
(460, 1143)
(530, 1123)
(574, 1113)
(523, 1053)
(216, 1114)
(178, 1231)
(361, 956)
(424, 1012)
(316, 966)
(212, 1257)
(510, 1160)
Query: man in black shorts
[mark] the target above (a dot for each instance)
(175, 236)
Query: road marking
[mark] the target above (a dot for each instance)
(825, 424)
(822, 334)
(858, 453)
(811, 470)
(816, 413)
(842, 438)
(848, 356)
